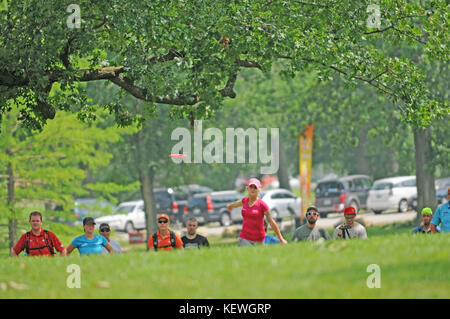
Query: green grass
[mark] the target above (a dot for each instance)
(412, 266)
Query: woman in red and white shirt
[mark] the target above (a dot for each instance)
(253, 212)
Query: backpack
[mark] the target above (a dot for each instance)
(47, 244)
(172, 241)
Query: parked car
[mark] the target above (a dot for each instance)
(282, 203)
(130, 216)
(293, 183)
(333, 194)
(211, 207)
(127, 217)
(90, 207)
(193, 189)
(171, 202)
(442, 186)
(391, 193)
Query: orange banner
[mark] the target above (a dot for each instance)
(305, 165)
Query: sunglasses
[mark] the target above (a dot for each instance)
(104, 230)
(163, 221)
(314, 214)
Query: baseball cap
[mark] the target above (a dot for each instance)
(312, 208)
(88, 220)
(349, 210)
(427, 210)
(161, 216)
(103, 225)
(254, 181)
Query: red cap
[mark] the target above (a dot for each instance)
(349, 210)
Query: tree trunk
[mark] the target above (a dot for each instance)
(283, 174)
(392, 162)
(426, 192)
(362, 162)
(12, 221)
(146, 179)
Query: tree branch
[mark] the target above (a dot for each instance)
(410, 36)
(381, 30)
(64, 56)
(228, 91)
(248, 64)
(312, 4)
(168, 57)
(377, 85)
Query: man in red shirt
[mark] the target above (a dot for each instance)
(38, 242)
(164, 239)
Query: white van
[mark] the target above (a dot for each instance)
(391, 194)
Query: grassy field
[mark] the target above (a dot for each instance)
(412, 266)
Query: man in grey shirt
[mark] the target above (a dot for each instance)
(310, 231)
(350, 229)
(105, 231)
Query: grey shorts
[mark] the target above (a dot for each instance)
(245, 242)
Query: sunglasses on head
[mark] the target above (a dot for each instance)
(103, 230)
(163, 221)
(312, 213)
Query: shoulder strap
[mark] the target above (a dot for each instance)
(172, 239)
(49, 243)
(155, 241)
(27, 243)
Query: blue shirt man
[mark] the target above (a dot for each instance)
(442, 216)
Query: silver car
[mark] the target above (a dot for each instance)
(392, 194)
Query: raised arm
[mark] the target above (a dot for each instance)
(434, 228)
(236, 204)
(63, 252)
(70, 249)
(109, 248)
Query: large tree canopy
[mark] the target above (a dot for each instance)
(188, 53)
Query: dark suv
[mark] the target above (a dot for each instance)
(333, 195)
(171, 202)
(211, 207)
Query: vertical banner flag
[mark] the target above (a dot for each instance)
(305, 164)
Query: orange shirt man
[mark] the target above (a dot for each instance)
(166, 240)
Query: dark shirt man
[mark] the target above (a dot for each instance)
(192, 239)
